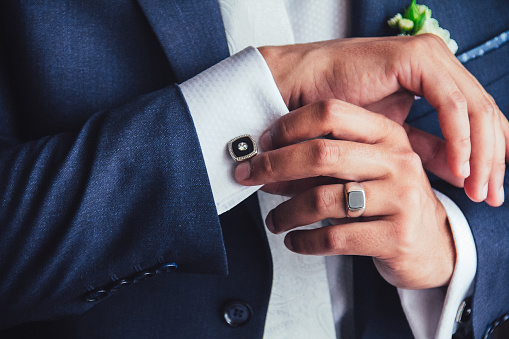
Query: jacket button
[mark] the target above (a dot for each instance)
(237, 313)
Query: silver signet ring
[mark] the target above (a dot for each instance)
(355, 199)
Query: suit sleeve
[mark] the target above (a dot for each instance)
(490, 229)
(83, 209)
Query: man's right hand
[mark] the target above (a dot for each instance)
(370, 71)
(404, 226)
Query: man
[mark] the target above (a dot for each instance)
(97, 201)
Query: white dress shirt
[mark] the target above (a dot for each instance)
(238, 96)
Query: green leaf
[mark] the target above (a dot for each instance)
(418, 25)
(412, 12)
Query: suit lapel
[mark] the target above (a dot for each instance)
(190, 31)
(369, 18)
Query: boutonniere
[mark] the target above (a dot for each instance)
(416, 19)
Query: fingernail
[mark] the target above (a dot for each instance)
(243, 171)
(269, 223)
(288, 243)
(501, 194)
(465, 169)
(266, 140)
(485, 192)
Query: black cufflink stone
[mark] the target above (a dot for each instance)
(242, 147)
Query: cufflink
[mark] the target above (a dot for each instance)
(242, 147)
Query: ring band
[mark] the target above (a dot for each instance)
(355, 199)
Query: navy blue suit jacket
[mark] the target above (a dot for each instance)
(107, 222)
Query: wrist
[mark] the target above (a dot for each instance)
(303, 73)
(283, 62)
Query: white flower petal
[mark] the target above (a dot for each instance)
(431, 26)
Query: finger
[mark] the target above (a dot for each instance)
(324, 202)
(468, 83)
(395, 107)
(362, 238)
(496, 193)
(320, 157)
(434, 80)
(484, 128)
(505, 129)
(336, 118)
(291, 188)
(453, 116)
(433, 154)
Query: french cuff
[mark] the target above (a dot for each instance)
(432, 313)
(234, 97)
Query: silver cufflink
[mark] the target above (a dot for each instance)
(242, 147)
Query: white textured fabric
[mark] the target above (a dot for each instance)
(213, 98)
(299, 306)
(255, 23)
(339, 274)
(462, 281)
(227, 101)
(318, 20)
(423, 308)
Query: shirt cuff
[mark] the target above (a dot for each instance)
(234, 97)
(432, 313)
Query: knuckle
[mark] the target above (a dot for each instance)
(325, 199)
(393, 128)
(283, 131)
(411, 198)
(415, 43)
(264, 165)
(490, 163)
(413, 162)
(324, 152)
(459, 102)
(500, 166)
(421, 43)
(327, 110)
(428, 39)
(410, 162)
(334, 241)
(490, 98)
(489, 108)
(463, 143)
